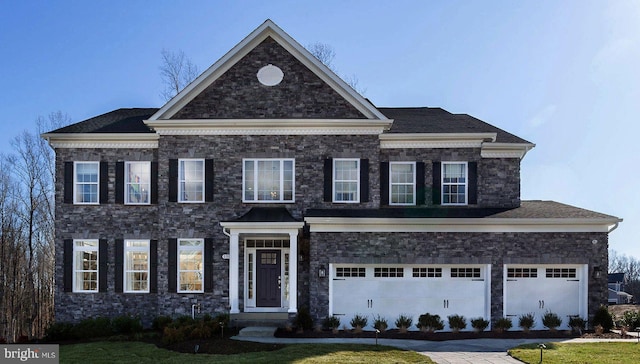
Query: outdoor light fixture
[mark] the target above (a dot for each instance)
(322, 272)
(596, 272)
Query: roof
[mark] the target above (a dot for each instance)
(408, 120)
(116, 121)
(537, 209)
(266, 214)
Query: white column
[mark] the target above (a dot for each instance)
(234, 252)
(293, 272)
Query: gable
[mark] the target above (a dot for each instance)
(238, 94)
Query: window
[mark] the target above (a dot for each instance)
(190, 265)
(402, 180)
(393, 272)
(191, 180)
(465, 272)
(268, 180)
(85, 266)
(350, 272)
(137, 184)
(522, 272)
(454, 183)
(561, 273)
(346, 180)
(86, 182)
(136, 266)
(427, 272)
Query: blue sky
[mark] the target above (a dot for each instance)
(564, 75)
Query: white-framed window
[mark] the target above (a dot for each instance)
(268, 180)
(454, 183)
(85, 265)
(191, 180)
(190, 265)
(86, 183)
(136, 266)
(402, 183)
(137, 183)
(346, 180)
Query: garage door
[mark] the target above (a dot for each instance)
(391, 290)
(560, 289)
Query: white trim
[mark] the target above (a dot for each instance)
(267, 29)
(75, 183)
(126, 183)
(435, 140)
(126, 249)
(505, 150)
(269, 126)
(199, 248)
(202, 180)
(334, 180)
(391, 203)
(256, 177)
(486, 225)
(75, 271)
(103, 140)
(466, 183)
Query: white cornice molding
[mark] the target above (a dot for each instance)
(505, 150)
(261, 227)
(270, 126)
(484, 225)
(102, 140)
(435, 140)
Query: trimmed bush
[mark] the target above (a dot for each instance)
(603, 318)
(359, 321)
(504, 324)
(577, 324)
(526, 321)
(403, 322)
(551, 320)
(59, 331)
(380, 324)
(430, 323)
(303, 320)
(160, 322)
(126, 325)
(457, 322)
(479, 324)
(331, 322)
(93, 327)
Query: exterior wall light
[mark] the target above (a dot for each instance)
(597, 272)
(322, 272)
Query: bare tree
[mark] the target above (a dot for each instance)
(177, 71)
(325, 54)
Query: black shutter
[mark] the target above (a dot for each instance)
(208, 180)
(119, 193)
(154, 182)
(473, 183)
(68, 265)
(68, 183)
(153, 266)
(103, 260)
(173, 180)
(208, 265)
(119, 266)
(437, 183)
(364, 180)
(173, 265)
(384, 183)
(104, 182)
(328, 180)
(420, 184)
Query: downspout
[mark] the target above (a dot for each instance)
(615, 226)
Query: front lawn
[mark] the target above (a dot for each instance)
(138, 352)
(596, 353)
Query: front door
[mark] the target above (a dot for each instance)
(268, 278)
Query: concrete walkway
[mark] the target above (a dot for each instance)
(472, 351)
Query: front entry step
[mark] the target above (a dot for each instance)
(257, 331)
(260, 319)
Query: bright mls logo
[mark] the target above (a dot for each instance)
(48, 354)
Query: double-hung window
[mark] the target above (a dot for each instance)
(85, 265)
(86, 182)
(454, 183)
(191, 180)
(402, 183)
(136, 266)
(268, 180)
(190, 265)
(137, 186)
(346, 180)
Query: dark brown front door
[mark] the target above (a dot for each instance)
(268, 278)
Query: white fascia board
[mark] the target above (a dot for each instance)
(269, 126)
(102, 140)
(262, 227)
(486, 225)
(267, 29)
(435, 140)
(505, 150)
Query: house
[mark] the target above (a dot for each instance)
(617, 294)
(269, 184)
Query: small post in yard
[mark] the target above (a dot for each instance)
(377, 332)
(541, 346)
(638, 334)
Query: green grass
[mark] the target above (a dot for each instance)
(600, 353)
(137, 352)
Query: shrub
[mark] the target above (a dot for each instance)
(93, 327)
(303, 320)
(59, 331)
(631, 319)
(403, 322)
(457, 322)
(603, 318)
(479, 324)
(504, 324)
(172, 335)
(526, 321)
(359, 321)
(331, 322)
(551, 320)
(126, 325)
(222, 319)
(380, 324)
(430, 323)
(577, 324)
(160, 322)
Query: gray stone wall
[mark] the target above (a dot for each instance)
(496, 249)
(238, 93)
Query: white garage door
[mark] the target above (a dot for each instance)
(391, 290)
(560, 289)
